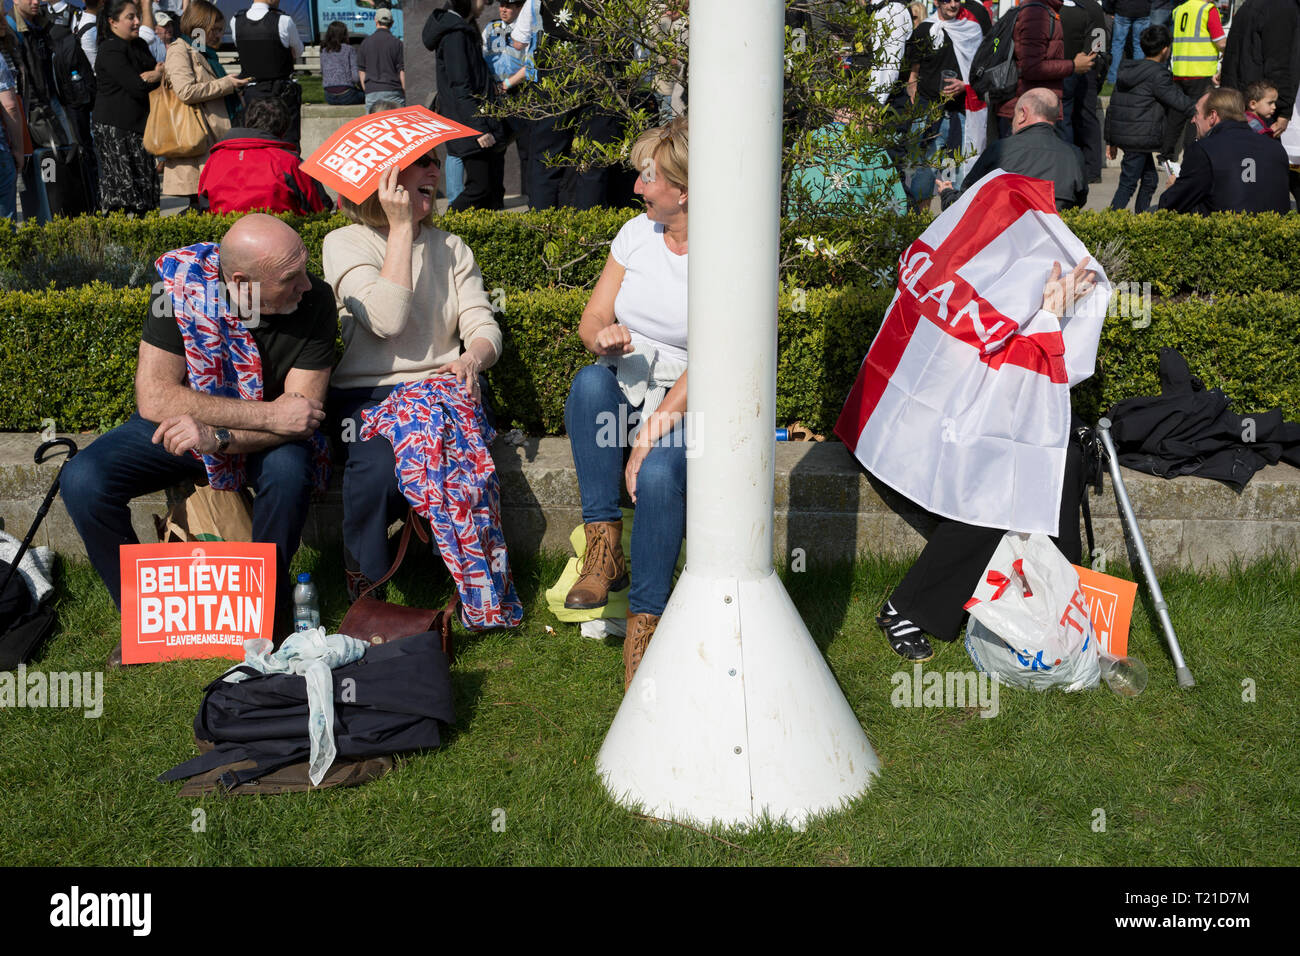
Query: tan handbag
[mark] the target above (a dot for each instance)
(207, 515)
(175, 130)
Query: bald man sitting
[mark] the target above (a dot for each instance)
(1035, 149)
(267, 329)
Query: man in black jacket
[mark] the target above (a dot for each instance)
(1264, 44)
(464, 84)
(1230, 168)
(1033, 149)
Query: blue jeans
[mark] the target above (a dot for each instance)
(351, 97)
(397, 96)
(8, 187)
(1161, 17)
(453, 177)
(99, 483)
(945, 135)
(1126, 28)
(1134, 168)
(36, 203)
(591, 415)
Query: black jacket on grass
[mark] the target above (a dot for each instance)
(464, 81)
(1231, 169)
(1187, 430)
(1144, 89)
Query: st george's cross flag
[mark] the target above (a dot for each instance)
(963, 400)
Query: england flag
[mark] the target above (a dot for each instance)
(963, 400)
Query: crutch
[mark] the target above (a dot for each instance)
(45, 505)
(1133, 537)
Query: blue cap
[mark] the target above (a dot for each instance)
(304, 577)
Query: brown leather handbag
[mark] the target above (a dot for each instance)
(378, 622)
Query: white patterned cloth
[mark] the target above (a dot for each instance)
(313, 655)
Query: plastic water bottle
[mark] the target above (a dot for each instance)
(306, 605)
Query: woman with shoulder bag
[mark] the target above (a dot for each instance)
(198, 79)
(125, 73)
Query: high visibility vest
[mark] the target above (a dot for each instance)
(1193, 52)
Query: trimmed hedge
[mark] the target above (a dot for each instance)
(70, 354)
(1178, 255)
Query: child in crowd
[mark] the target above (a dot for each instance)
(1261, 104)
(1135, 121)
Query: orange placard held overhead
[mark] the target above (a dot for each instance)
(189, 599)
(1110, 606)
(351, 161)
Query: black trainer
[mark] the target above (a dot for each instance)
(907, 640)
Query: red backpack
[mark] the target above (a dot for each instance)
(249, 173)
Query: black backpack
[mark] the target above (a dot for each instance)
(993, 72)
(74, 79)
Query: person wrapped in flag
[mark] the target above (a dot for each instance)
(961, 410)
(418, 329)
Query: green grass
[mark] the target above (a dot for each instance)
(312, 91)
(1197, 777)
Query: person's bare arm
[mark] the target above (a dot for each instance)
(361, 77)
(13, 126)
(183, 433)
(597, 329)
(663, 421)
(162, 391)
(308, 384)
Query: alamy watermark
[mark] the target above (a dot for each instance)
(959, 689)
(74, 690)
(611, 427)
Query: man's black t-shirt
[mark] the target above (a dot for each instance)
(301, 339)
(930, 63)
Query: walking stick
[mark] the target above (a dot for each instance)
(1133, 537)
(45, 505)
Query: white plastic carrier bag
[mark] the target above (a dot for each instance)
(1029, 620)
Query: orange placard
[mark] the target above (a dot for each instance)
(1110, 606)
(351, 160)
(189, 599)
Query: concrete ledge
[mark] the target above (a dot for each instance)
(824, 505)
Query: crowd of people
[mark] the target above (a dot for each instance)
(1179, 87)
(87, 131)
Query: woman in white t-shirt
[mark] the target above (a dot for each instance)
(635, 323)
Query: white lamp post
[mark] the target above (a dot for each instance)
(733, 715)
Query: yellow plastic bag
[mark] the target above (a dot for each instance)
(617, 605)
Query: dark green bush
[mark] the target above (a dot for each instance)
(1178, 255)
(70, 354)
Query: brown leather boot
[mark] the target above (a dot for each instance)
(640, 628)
(604, 568)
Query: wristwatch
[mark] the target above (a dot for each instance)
(223, 440)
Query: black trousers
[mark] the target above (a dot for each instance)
(1079, 106)
(1179, 132)
(485, 184)
(935, 589)
(550, 187)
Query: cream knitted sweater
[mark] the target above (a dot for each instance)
(393, 335)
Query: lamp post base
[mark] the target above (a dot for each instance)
(734, 716)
